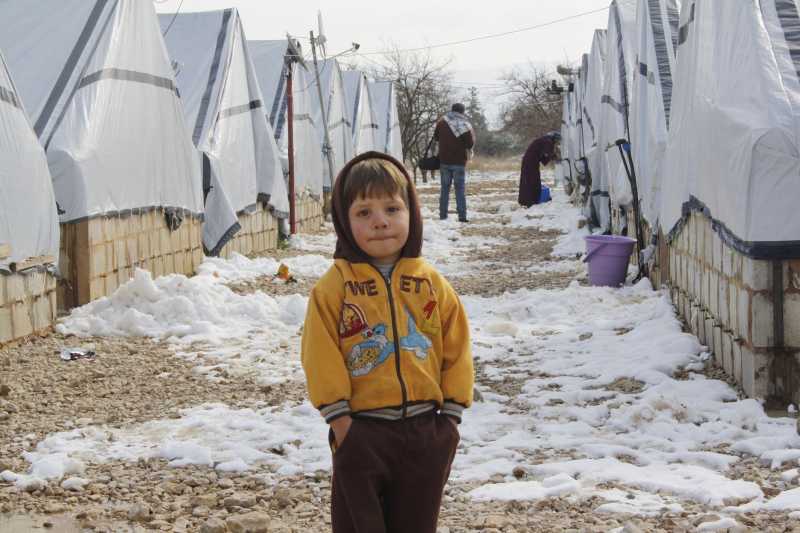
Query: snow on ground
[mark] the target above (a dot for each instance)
(595, 406)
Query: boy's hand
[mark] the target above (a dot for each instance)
(340, 427)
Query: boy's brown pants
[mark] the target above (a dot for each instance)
(388, 476)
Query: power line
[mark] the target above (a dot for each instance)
(493, 35)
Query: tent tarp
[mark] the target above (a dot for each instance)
(591, 110)
(733, 146)
(273, 61)
(96, 81)
(360, 112)
(222, 102)
(617, 88)
(28, 218)
(657, 25)
(389, 137)
(339, 127)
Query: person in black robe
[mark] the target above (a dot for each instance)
(539, 152)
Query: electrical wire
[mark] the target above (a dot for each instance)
(494, 35)
(166, 31)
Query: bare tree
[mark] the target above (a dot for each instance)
(533, 108)
(424, 91)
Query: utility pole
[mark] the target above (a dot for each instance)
(290, 110)
(326, 147)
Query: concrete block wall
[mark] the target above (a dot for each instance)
(309, 214)
(98, 255)
(27, 303)
(728, 300)
(258, 234)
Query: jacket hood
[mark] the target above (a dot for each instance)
(346, 247)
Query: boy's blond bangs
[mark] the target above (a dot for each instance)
(372, 178)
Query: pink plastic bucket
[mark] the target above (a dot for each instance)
(608, 257)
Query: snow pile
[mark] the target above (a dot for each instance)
(240, 268)
(182, 310)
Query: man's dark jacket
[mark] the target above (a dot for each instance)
(452, 149)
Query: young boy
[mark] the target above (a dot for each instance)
(387, 357)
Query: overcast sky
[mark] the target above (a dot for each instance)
(419, 23)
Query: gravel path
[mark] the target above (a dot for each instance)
(134, 380)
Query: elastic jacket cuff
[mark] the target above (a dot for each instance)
(452, 409)
(335, 410)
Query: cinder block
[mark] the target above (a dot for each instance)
(757, 274)
(98, 262)
(132, 249)
(15, 288)
(112, 283)
(716, 251)
(722, 307)
(743, 313)
(97, 287)
(733, 310)
(710, 291)
(21, 319)
(6, 326)
(143, 246)
(755, 373)
(96, 230)
(169, 264)
(794, 273)
(708, 243)
(34, 283)
(120, 253)
(791, 320)
(727, 260)
(736, 349)
(727, 353)
(111, 261)
(718, 341)
(710, 333)
(761, 321)
(42, 317)
(701, 329)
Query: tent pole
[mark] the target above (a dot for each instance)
(290, 112)
(326, 148)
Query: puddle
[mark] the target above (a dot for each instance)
(19, 523)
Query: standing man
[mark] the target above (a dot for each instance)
(456, 138)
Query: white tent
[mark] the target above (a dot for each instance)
(591, 112)
(360, 112)
(564, 169)
(734, 139)
(96, 81)
(28, 219)
(384, 100)
(223, 102)
(617, 88)
(339, 127)
(273, 61)
(577, 140)
(657, 24)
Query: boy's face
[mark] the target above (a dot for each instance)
(380, 226)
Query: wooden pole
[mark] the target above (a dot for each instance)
(290, 119)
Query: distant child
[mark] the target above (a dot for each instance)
(387, 357)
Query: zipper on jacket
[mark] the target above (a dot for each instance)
(396, 339)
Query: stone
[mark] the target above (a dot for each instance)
(213, 525)
(253, 522)
(242, 500)
(5, 390)
(140, 512)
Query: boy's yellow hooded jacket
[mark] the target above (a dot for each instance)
(358, 322)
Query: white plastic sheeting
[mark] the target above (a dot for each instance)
(564, 168)
(733, 139)
(97, 84)
(360, 112)
(28, 219)
(339, 127)
(617, 88)
(384, 100)
(657, 26)
(591, 112)
(273, 61)
(223, 103)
